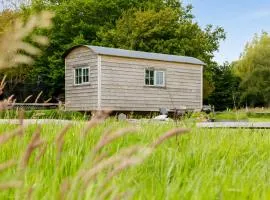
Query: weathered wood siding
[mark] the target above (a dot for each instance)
(81, 97)
(123, 85)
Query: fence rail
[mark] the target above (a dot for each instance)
(35, 106)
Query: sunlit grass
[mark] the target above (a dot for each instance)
(205, 164)
(259, 119)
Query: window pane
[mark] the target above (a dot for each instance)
(85, 75)
(147, 81)
(87, 79)
(80, 80)
(146, 73)
(76, 76)
(85, 71)
(152, 74)
(151, 81)
(159, 78)
(149, 77)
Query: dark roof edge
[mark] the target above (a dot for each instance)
(100, 53)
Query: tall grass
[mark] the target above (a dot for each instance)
(205, 164)
(76, 164)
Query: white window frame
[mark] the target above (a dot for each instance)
(155, 77)
(82, 75)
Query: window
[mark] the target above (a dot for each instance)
(81, 75)
(154, 77)
(159, 78)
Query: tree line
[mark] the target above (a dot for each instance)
(161, 26)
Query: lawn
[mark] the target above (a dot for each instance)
(241, 115)
(203, 164)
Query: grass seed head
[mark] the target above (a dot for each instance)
(27, 98)
(38, 96)
(108, 163)
(97, 119)
(8, 136)
(42, 151)
(48, 100)
(91, 124)
(12, 41)
(107, 139)
(169, 134)
(130, 161)
(64, 188)
(60, 141)
(11, 185)
(7, 165)
(21, 116)
(34, 144)
(7, 103)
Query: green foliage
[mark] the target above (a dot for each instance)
(257, 87)
(170, 31)
(254, 70)
(226, 92)
(163, 31)
(199, 116)
(147, 25)
(255, 55)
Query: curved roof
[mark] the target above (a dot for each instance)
(139, 54)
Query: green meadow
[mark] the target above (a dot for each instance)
(202, 164)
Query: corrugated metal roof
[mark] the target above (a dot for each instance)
(143, 55)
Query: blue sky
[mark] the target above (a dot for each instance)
(241, 19)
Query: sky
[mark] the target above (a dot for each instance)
(241, 19)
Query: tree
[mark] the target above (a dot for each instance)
(166, 31)
(253, 68)
(256, 55)
(164, 26)
(226, 92)
(257, 87)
